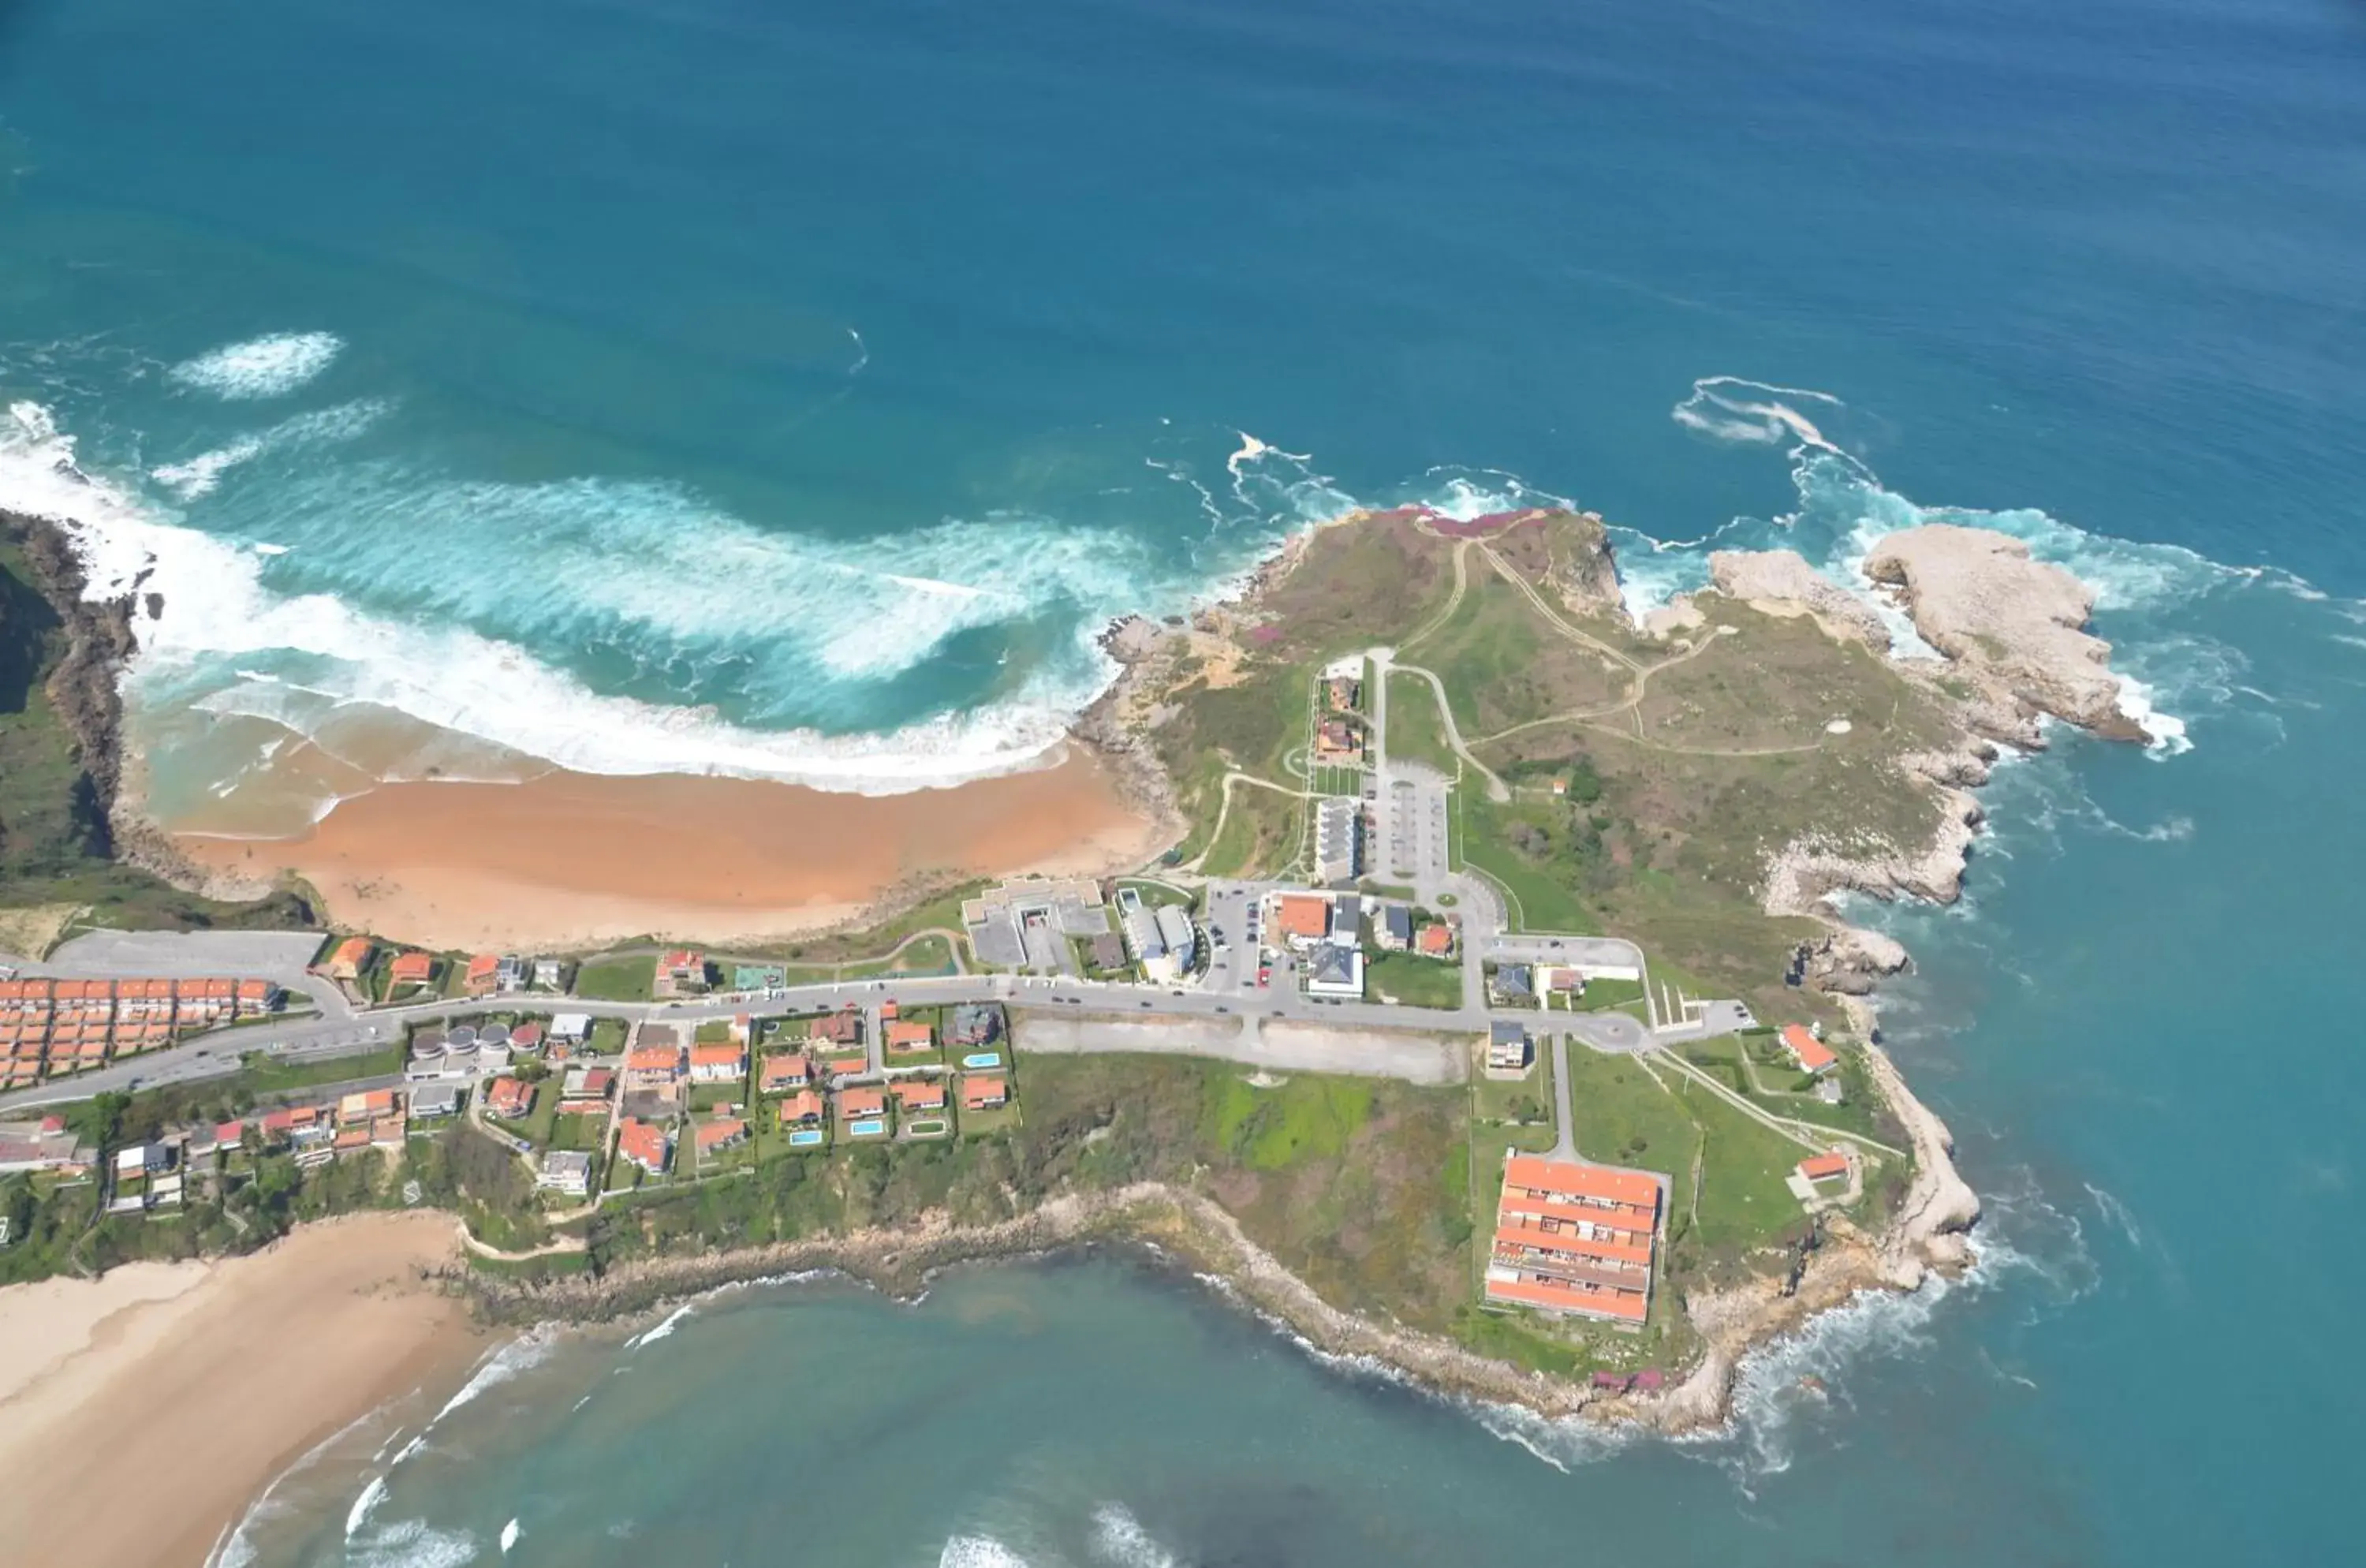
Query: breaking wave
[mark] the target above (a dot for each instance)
(1119, 1538)
(270, 367)
(196, 477)
(978, 1552)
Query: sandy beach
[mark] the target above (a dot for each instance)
(573, 858)
(140, 1413)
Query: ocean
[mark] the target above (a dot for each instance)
(698, 385)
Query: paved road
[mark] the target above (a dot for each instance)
(1229, 992)
(1564, 1113)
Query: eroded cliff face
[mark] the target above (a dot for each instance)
(1588, 578)
(98, 637)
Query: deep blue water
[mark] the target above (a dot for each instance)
(794, 390)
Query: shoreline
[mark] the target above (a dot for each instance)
(566, 860)
(1926, 1234)
(209, 1379)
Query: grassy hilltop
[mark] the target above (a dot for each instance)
(1608, 780)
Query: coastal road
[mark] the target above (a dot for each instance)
(1230, 995)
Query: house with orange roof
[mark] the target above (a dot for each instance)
(364, 1105)
(349, 958)
(509, 1099)
(1576, 1239)
(907, 1035)
(803, 1108)
(1812, 1055)
(482, 974)
(258, 996)
(644, 1144)
(1302, 919)
(724, 1063)
(839, 1028)
(1435, 940)
(921, 1094)
(854, 1103)
(411, 968)
(1831, 1167)
(724, 1133)
(351, 1139)
(680, 972)
(984, 1093)
(846, 1067)
(652, 1066)
(785, 1070)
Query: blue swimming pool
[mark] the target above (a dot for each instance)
(805, 1137)
(870, 1127)
(983, 1059)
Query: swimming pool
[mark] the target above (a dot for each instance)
(869, 1127)
(928, 1127)
(983, 1059)
(805, 1137)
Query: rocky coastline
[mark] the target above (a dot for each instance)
(2011, 631)
(2022, 656)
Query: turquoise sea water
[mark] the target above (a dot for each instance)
(794, 390)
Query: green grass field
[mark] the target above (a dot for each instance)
(1413, 981)
(1543, 896)
(616, 979)
(262, 1075)
(1417, 731)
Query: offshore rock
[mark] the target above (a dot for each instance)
(2013, 625)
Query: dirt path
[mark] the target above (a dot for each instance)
(1453, 600)
(1496, 789)
(1224, 810)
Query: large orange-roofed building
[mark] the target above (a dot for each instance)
(1578, 1238)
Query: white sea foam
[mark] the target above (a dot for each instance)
(1119, 1538)
(978, 1552)
(235, 1546)
(509, 1534)
(221, 613)
(2164, 733)
(268, 367)
(507, 1361)
(1734, 410)
(198, 475)
(672, 1321)
(410, 1543)
(364, 1505)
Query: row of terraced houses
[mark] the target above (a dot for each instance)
(49, 1028)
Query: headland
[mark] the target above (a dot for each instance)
(1588, 861)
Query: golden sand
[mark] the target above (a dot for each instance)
(142, 1411)
(576, 858)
